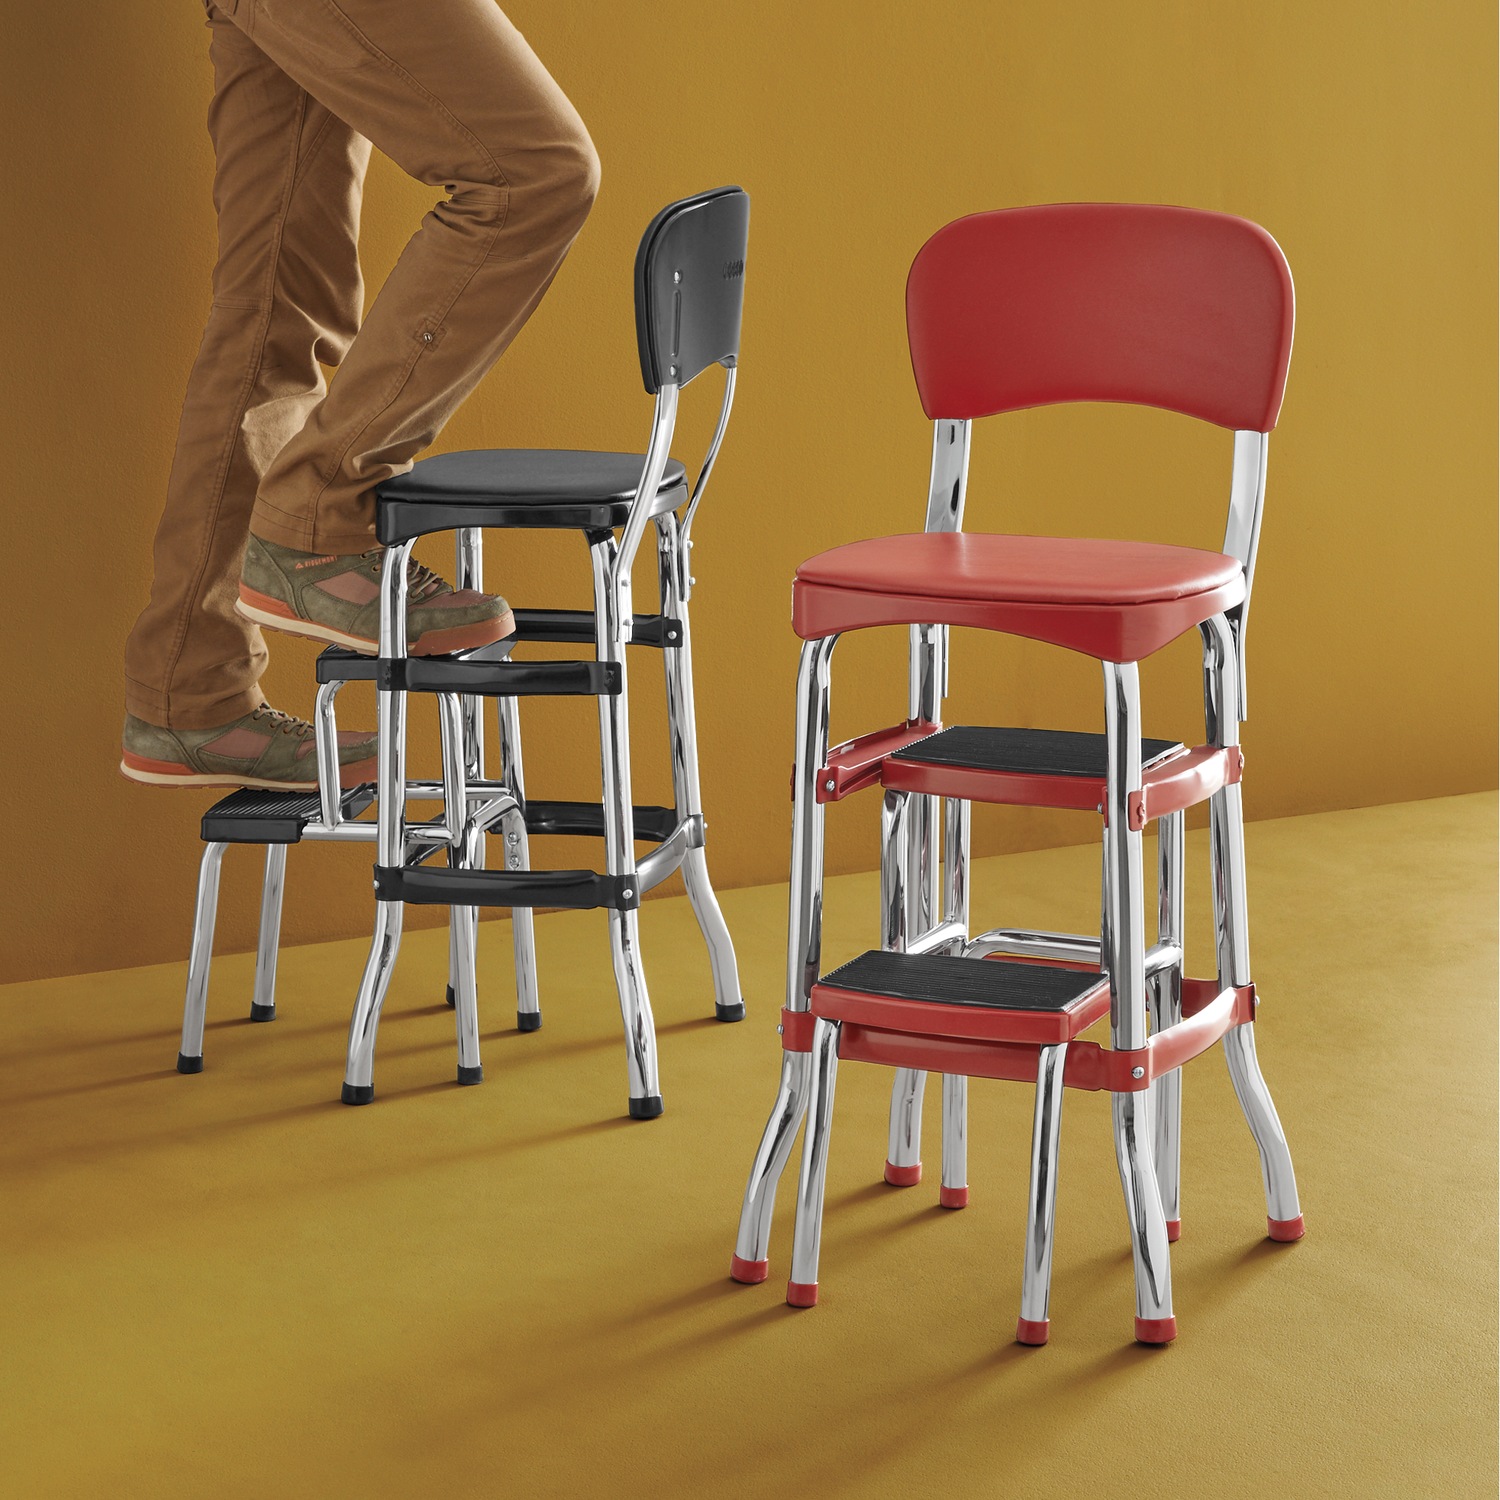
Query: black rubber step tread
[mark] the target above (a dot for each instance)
(1033, 752)
(653, 825)
(577, 626)
(571, 890)
(500, 679)
(250, 816)
(997, 983)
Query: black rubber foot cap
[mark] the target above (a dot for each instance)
(646, 1109)
(187, 1064)
(528, 1020)
(452, 998)
(729, 1012)
(361, 1093)
(467, 1076)
(263, 1012)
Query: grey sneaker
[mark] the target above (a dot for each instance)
(337, 599)
(264, 749)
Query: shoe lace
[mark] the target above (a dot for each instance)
(286, 723)
(421, 582)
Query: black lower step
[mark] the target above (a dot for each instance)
(653, 825)
(257, 817)
(1033, 752)
(997, 983)
(570, 890)
(576, 626)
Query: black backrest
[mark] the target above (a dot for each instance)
(690, 286)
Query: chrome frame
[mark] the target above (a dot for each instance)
(1221, 675)
(1146, 984)
(804, 951)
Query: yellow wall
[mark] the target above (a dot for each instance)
(1361, 136)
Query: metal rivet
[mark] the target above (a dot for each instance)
(676, 276)
(426, 338)
(1137, 1072)
(828, 785)
(692, 582)
(628, 893)
(672, 370)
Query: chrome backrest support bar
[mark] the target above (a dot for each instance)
(950, 476)
(711, 457)
(663, 425)
(1247, 497)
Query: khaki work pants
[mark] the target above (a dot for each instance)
(451, 92)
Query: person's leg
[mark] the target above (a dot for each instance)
(287, 296)
(450, 90)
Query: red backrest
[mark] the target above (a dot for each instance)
(1155, 306)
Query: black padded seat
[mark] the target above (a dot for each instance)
(565, 488)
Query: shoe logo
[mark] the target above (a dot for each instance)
(733, 268)
(314, 562)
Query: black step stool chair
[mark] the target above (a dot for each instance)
(688, 297)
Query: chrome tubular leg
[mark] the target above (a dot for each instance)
(190, 1054)
(1124, 950)
(1041, 1201)
(682, 729)
(463, 853)
(390, 843)
(903, 1157)
(804, 957)
(903, 1150)
(619, 842)
(1226, 822)
(518, 857)
(807, 1236)
(325, 726)
(263, 1004)
(954, 1192)
(1166, 1008)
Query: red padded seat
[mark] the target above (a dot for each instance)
(1118, 601)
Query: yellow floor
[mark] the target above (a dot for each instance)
(230, 1285)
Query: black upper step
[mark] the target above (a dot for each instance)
(996, 983)
(257, 817)
(1035, 752)
(491, 677)
(653, 825)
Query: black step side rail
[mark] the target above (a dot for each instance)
(498, 679)
(653, 825)
(577, 626)
(570, 890)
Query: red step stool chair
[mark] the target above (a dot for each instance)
(1156, 306)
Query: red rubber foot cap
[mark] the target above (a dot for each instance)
(802, 1293)
(1174, 1230)
(1286, 1230)
(903, 1176)
(1031, 1331)
(1155, 1330)
(751, 1272)
(953, 1197)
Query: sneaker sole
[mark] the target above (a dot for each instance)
(275, 615)
(165, 773)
